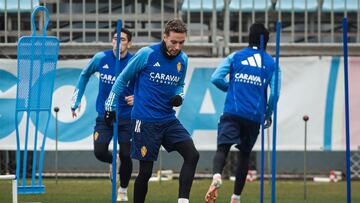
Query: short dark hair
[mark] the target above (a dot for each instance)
(256, 30)
(175, 25)
(126, 31)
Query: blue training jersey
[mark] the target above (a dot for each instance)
(104, 63)
(250, 72)
(158, 78)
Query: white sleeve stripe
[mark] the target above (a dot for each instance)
(74, 98)
(137, 126)
(109, 102)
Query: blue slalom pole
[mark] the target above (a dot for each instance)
(115, 125)
(347, 124)
(273, 160)
(262, 130)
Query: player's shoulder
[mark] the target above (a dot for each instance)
(268, 58)
(108, 52)
(184, 56)
(98, 57)
(102, 54)
(146, 50)
(233, 55)
(267, 55)
(245, 51)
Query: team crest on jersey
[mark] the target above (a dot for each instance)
(143, 151)
(178, 66)
(96, 135)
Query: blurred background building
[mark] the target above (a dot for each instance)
(216, 27)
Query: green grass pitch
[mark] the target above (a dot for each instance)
(99, 190)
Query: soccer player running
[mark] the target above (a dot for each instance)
(250, 72)
(160, 70)
(104, 63)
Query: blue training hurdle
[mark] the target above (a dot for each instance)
(37, 58)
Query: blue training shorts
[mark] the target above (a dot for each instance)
(149, 136)
(104, 134)
(236, 130)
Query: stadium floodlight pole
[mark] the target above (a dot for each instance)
(347, 122)
(273, 164)
(262, 129)
(115, 125)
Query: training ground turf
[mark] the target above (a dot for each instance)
(99, 190)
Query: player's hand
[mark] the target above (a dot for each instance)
(130, 100)
(267, 122)
(73, 111)
(109, 118)
(176, 100)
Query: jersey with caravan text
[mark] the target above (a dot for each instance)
(104, 63)
(250, 71)
(158, 78)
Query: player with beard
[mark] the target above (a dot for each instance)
(160, 71)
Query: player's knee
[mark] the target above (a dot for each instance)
(101, 153)
(145, 174)
(125, 158)
(124, 154)
(100, 156)
(223, 148)
(145, 171)
(194, 157)
(244, 154)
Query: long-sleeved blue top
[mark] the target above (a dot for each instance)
(104, 63)
(250, 73)
(158, 78)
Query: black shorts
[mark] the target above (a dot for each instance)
(104, 133)
(236, 130)
(149, 136)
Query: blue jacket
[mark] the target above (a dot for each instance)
(158, 78)
(248, 82)
(104, 63)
